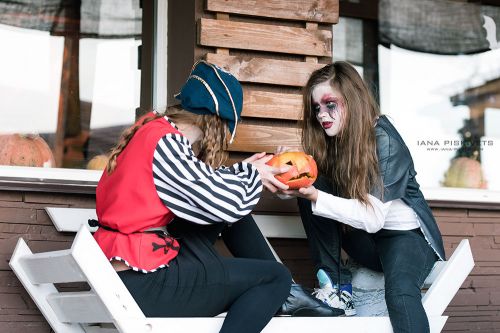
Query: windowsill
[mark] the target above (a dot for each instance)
(85, 181)
(49, 179)
(461, 195)
(449, 197)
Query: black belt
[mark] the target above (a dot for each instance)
(163, 235)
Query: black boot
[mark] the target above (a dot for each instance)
(302, 304)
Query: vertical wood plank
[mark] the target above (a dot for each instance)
(222, 17)
(311, 26)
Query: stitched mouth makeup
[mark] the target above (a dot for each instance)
(327, 124)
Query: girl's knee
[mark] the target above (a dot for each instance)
(281, 276)
(283, 273)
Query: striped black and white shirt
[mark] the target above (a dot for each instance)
(194, 191)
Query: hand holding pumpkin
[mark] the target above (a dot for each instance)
(309, 193)
(268, 172)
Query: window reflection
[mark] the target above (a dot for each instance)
(70, 77)
(446, 107)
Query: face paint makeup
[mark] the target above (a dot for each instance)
(331, 105)
(328, 108)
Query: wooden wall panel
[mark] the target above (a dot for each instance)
(264, 137)
(265, 37)
(324, 11)
(272, 47)
(271, 105)
(263, 70)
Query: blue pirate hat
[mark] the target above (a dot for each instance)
(211, 90)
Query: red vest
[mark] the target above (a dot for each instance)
(127, 201)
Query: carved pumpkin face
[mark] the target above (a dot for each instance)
(303, 170)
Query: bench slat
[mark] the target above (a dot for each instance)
(71, 219)
(449, 280)
(106, 283)
(51, 267)
(274, 226)
(39, 292)
(280, 226)
(79, 307)
(436, 270)
(98, 329)
(290, 324)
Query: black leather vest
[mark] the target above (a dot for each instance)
(398, 175)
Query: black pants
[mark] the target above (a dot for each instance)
(200, 283)
(405, 257)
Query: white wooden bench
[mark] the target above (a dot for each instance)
(109, 307)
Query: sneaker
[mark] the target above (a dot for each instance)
(329, 294)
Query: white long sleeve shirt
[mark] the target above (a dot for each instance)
(393, 215)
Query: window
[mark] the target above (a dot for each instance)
(440, 85)
(430, 104)
(70, 77)
(434, 66)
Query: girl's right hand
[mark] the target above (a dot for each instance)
(284, 149)
(268, 172)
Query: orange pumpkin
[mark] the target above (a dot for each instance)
(303, 170)
(465, 172)
(25, 150)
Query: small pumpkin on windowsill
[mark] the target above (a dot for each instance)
(25, 150)
(303, 169)
(98, 162)
(465, 172)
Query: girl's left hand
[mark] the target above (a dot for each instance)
(268, 172)
(309, 193)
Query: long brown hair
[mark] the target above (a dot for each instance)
(348, 159)
(211, 145)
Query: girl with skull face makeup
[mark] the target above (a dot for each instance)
(366, 199)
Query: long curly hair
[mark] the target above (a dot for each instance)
(349, 159)
(211, 146)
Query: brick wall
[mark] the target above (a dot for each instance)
(476, 308)
(22, 215)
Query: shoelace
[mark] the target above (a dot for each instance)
(323, 294)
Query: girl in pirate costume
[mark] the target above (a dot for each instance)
(161, 206)
(367, 199)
